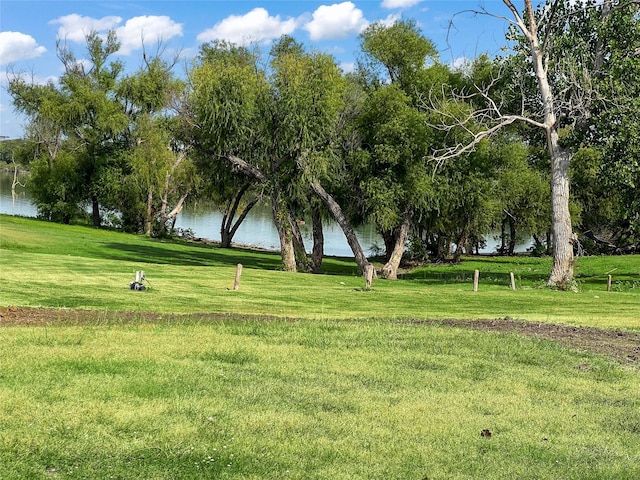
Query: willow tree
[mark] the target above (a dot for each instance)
(78, 125)
(273, 126)
(391, 172)
(160, 174)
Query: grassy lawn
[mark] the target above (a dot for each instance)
(338, 382)
(339, 399)
(77, 267)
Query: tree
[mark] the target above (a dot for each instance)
(607, 143)
(91, 113)
(56, 185)
(562, 96)
(160, 172)
(231, 114)
(275, 127)
(390, 171)
(523, 193)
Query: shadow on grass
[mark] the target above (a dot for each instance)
(191, 255)
(199, 255)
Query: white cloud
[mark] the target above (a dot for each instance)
(148, 29)
(348, 67)
(399, 3)
(391, 19)
(460, 63)
(75, 27)
(255, 26)
(336, 21)
(18, 46)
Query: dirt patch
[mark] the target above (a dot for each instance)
(620, 345)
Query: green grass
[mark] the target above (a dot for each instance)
(51, 265)
(327, 382)
(339, 399)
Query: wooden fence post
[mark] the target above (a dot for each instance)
(608, 283)
(236, 282)
(513, 281)
(476, 279)
(368, 276)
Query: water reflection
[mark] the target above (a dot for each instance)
(18, 204)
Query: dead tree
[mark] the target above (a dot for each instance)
(558, 104)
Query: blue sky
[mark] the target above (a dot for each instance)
(29, 29)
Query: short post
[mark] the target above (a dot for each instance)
(608, 283)
(368, 276)
(236, 282)
(476, 279)
(513, 281)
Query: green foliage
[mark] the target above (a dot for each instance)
(400, 49)
(228, 96)
(391, 172)
(57, 189)
(280, 121)
(14, 151)
(591, 53)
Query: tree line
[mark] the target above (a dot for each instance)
(433, 156)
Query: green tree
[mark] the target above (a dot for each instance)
(160, 174)
(552, 90)
(56, 184)
(274, 126)
(391, 172)
(91, 113)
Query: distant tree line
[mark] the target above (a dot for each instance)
(433, 156)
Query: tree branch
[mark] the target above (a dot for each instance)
(246, 168)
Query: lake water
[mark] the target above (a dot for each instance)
(257, 230)
(20, 204)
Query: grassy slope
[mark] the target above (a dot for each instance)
(321, 397)
(77, 267)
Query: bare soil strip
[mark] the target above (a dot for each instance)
(620, 345)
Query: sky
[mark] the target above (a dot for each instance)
(29, 30)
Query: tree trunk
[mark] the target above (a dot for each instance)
(281, 214)
(281, 220)
(443, 248)
(512, 236)
(228, 227)
(390, 238)
(562, 271)
(339, 217)
(317, 254)
(95, 211)
(165, 217)
(462, 241)
(225, 233)
(503, 236)
(390, 269)
(302, 260)
(148, 223)
(562, 239)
